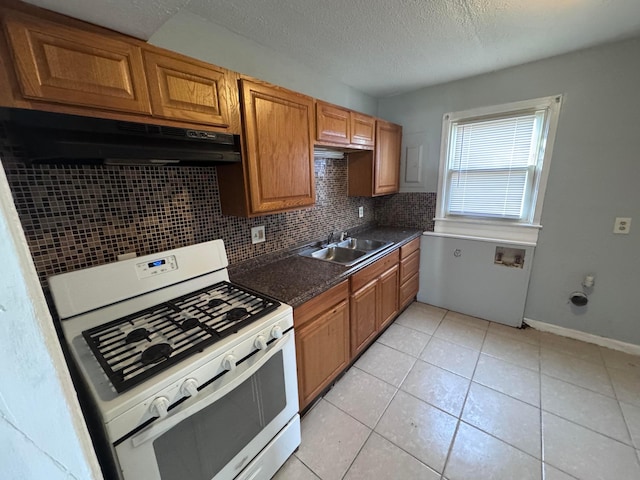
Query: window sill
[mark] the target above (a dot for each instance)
(525, 234)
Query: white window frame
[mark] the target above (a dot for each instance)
(517, 230)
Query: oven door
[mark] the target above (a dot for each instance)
(216, 433)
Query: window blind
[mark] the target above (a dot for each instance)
(491, 165)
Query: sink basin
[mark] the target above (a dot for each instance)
(348, 252)
(363, 244)
(338, 254)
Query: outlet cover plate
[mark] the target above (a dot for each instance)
(257, 234)
(622, 225)
(360, 212)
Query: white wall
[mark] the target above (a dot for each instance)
(42, 431)
(191, 35)
(594, 177)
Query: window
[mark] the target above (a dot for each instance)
(493, 169)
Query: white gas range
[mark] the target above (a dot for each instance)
(192, 377)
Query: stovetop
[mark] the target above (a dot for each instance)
(133, 348)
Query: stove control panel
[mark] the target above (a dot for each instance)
(156, 266)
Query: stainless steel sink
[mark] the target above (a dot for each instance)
(338, 254)
(348, 252)
(364, 244)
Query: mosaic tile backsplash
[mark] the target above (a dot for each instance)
(415, 210)
(78, 216)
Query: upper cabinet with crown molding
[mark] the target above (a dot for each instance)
(64, 65)
(60, 64)
(182, 88)
(376, 174)
(338, 126)
(56, 63)
(277, 171)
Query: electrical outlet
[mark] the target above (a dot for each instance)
(360, 212)
(622, 225)
(257, 234)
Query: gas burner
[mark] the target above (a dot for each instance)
(236, 314)
(215, 302)
(189, 323)
(156, 353)
(177, 328)
(137, 335)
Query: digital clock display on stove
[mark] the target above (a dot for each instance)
(157, 263)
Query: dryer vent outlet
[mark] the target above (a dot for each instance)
(579, 299)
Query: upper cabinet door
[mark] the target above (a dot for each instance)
(332, 123)
(184, 90)
(387, 158)
(363, 129)
(279, 147)
(61, 64)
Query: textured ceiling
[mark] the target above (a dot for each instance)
(384, 47)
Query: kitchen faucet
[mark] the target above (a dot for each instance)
(343, 236)
(330, 239)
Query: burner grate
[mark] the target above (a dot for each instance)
(133, 348)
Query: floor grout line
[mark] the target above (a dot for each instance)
(464, 403)
(471, 381)
(541, 432)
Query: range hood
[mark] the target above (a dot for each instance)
(70, 139)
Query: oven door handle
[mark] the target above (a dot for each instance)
(158, 428)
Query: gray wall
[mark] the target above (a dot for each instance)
(191, 35)
(594, 177)
(41, 426)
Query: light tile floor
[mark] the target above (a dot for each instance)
(445, 396)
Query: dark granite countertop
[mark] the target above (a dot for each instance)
(293, 279)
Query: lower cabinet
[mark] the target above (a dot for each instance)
(363, 316)
(409, 267)
(374, 300)
(322, 341)
(333, 328)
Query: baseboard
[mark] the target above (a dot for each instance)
(585, 337)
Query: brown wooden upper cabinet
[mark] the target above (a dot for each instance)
(333, 124)
(277, 171)
(363, 128)
(377, 174)
(337, 126)
(55, 63)
(387, 158)
(189, 90)
(61, 64)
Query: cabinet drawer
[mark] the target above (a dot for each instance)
(409, 266)
(409, 248)
(317, 305)
(361, 278)
(409, 289)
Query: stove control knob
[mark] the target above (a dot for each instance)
(261, 342)
(159, 407)
(229, 362)
(189, 388)
(276, 332)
